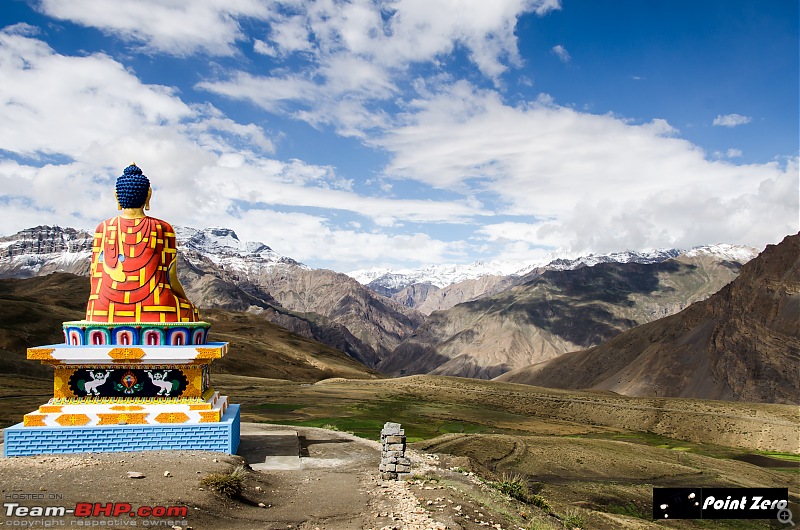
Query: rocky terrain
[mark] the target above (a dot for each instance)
(377, 321)
(426, 302)
(43, 250)
(742, 343)
(334, 486)
(555, 312)
(218, 270)
(509, 321)
(574, 473)
(441, 287)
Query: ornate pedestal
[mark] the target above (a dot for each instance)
(129, 387)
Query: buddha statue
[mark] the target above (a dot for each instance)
(133, 271)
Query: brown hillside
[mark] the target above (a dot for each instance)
(554, 313)
(742, 343)
(32, 310)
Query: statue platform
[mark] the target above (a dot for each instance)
(221, 436)
(127, 397)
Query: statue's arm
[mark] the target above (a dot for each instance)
(174, 282)
(97, 247)
(172, 269)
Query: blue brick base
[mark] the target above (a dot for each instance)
(222, 436)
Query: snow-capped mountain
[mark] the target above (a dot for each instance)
(223, 247)
(438, 275)
(45, 249)
(645, 256)
(444, 275)
(738, 253)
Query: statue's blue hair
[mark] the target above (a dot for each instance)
(132, 187)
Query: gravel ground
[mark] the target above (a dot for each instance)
(335, 485)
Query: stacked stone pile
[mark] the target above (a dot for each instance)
(394, 463)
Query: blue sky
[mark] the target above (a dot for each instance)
(404, 133)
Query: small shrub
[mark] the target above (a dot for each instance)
(573, 519)
(229, 484)
(539, 502)
(512, 485)
(427, 477)
(330, 427)
(517, 488)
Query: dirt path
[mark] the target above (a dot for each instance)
(294, 478)
(315, 478)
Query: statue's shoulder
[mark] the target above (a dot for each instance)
(103, 224)
(165, 226)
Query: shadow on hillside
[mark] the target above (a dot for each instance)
(614, 283)
(585, 325)
(574, 304)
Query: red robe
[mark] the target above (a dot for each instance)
(130, 280)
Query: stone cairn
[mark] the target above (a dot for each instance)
(394, 463)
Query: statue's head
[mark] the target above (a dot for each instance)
(133, 188)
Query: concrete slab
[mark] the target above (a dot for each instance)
(270, 449)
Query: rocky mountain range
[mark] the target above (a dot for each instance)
(444, 286)
(32, 310)
(481, 326)
(43, 250)
(444, 275)
(219, 270)
(554, 312)
(742, 343)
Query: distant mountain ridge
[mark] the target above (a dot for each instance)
(45, 249)
(477, 327)
(442, 287)
(742, 343)
(548, 314)
(441, 276)
(223, 247)
(219, 270)
(42, 249)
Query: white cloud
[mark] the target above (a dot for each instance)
(296, 184)
(562, 53)
(270, 93)
(360, 50)
(730, 153)
(397, 33)
(289, 34)
(601, 182)
(733, 153)
(731, 120)
(176, 28)
(81, 98)
(204, 166)
(415, 30)
(313, 238)
(259, 46)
